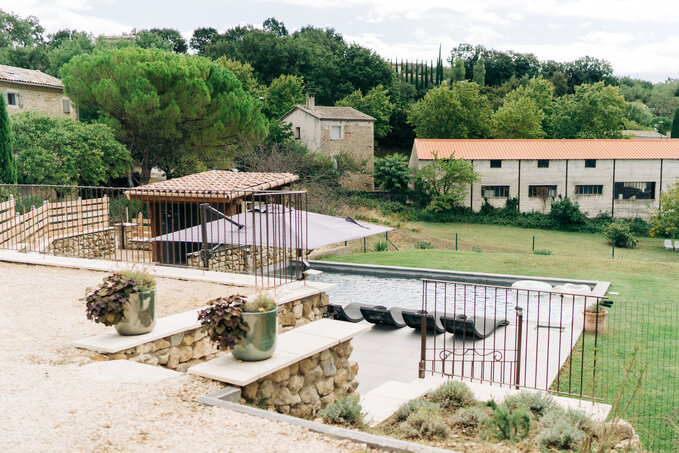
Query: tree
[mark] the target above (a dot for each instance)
(244, 74)
(661, 124)
(176, 112)
(392, 173)
(273, 25)
(519, 117)
(479, 73)
(8, 169)
(375, 103)
(202, 37)
(638, 113)
(665, 219)
(284, 93)
(458, 111)
(457, 71)
(587, 70)
(172, 36)
(675, 125)
(445, 181)
(51, 150)
(65, 49)
(146, 39)
(22, 42)
(593, 111)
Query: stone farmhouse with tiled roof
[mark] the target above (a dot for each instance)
(28, 90)
(623, 178)
(335, 130)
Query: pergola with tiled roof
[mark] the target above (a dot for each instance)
(525, 149)
(213, 185)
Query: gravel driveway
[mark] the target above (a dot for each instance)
(47, 402)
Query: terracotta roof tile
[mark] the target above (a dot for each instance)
(228, 183)
(547, 149)
(28, 76)
(333, 113)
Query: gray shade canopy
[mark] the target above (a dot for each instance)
(276, 226)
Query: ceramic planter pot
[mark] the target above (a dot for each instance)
(139, 316)
(260, 342)
(595, 322)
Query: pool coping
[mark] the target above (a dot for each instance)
(599, 287)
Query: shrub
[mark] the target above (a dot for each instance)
(453, 394)
(567, 215)
(470, 417)
(542, 252)
(263, 302)
(477, 249)
(639, 227)
(404, 411)
(380, 246)
(392, 173)
(508, 424)
(535, 402)
(424, 424)
(561, 430)
(620, 235)
(344, 411)
(423, 245)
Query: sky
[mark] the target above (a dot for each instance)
(639, 38)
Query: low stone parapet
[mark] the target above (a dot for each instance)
(95, 244)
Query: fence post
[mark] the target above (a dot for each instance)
(613, 250)
(423, 344)
(519, 333)
(456, 242)
(203, 231)
(365, 249)
(533, 244)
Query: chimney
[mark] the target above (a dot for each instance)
(310, 101)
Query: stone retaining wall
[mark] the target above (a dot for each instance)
(97, 244)
(302, 311)
(304, 388)
(242, 260)
(177, 352)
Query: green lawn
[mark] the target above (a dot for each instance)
(645, 314)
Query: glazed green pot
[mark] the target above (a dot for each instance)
(260, 342)
(139, 315)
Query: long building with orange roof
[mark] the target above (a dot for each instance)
(623, 178)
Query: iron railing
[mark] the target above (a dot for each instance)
(516, 337)
(259, 233)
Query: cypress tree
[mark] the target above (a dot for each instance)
(8, 168)
(675, 125)
(479, 71)
(417, 75)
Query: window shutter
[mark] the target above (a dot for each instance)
(20, 100)
(66, 104)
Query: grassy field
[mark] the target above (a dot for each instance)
(645, 314)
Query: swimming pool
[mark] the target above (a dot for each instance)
(383, 286)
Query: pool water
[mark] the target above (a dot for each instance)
(472, 300)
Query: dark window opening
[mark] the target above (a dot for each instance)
(589, 190)
(543, 163)
(590, 163)
(495, 191)
(495, 164)
(298, 133)
(542, 191)
(634, 190)
(11, 99)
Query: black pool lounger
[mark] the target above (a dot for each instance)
(381, 315)
(413, 319)
(476, 327)
(350, 312)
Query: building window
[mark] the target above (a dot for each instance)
(12, 99)
(336, 132)
(542, 191)
(590, 163)
(298, 133)
(495, 191)
(543, 163)
(589, 190)
(66, 105)
(495, 164)
(634, 190)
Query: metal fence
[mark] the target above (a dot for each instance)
(260, 233)
(521, 338)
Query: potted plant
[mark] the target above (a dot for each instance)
(249, 329)
(126, 300)
(595, 318)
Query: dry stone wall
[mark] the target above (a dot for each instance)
(302, 311)
(304, 388)
(242, 260)
(176, 352)
(97, 244)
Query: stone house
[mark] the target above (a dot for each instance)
(623, 178)
(335, 130)
(28, 90)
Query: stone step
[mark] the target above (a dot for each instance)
(292, 347)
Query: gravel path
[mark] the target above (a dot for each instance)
(48, 404)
